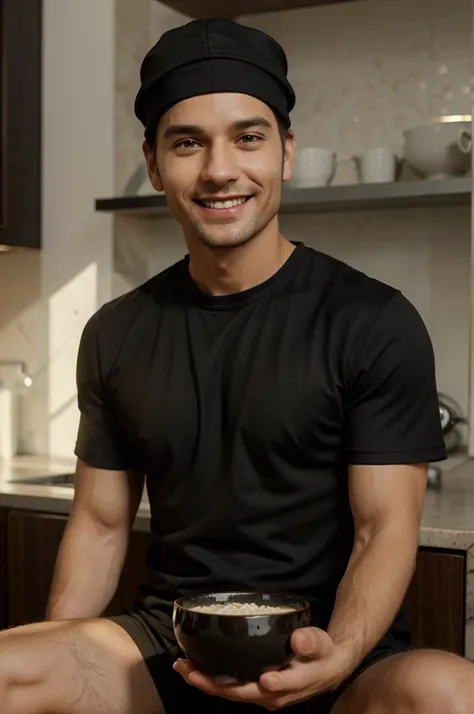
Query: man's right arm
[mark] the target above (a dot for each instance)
(94, 546)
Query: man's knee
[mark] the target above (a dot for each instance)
(420, 682)
(434, 682)
(447, 683)
(74, 666)
(27, 659)
(33, 658)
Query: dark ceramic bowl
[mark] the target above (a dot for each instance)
(241, 647)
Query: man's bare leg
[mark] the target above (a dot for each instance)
(74, 667)
(416, 682)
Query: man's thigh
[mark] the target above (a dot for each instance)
(74, 667)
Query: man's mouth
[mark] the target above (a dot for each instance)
(223, 204)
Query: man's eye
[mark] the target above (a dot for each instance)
(187, 144)
(250, 138)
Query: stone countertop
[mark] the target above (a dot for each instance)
(448, 515)
(47, 499)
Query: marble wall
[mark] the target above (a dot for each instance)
(20, 290)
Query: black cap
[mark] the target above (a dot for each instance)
(208, 56)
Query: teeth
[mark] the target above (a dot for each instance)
(224, 204)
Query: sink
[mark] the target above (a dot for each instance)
(63, 480)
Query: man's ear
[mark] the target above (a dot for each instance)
(289, 154)
(152, 166)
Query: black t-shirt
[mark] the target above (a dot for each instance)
(245, 410)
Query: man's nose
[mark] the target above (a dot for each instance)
(220, 167)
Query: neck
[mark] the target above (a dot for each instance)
(225, 271)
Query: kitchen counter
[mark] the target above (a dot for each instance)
(48, 499)
(448, 514)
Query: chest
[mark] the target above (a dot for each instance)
(266, 375)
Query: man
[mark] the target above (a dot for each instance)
(283, 408)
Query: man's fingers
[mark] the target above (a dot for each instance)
(311, 642)
(183, 667)
(310, 645)
(251, 692)
(297, 677)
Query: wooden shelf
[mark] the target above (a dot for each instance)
(359, 197)
(207, 9)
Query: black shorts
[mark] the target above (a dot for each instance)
(153, 635)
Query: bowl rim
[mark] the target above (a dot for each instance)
(177, 604)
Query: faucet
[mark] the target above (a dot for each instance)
(26, 378)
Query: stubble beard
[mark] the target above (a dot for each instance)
(233, 237)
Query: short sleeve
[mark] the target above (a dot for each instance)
(393, 405)
(98, 441)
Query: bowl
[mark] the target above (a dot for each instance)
(434, 150)
(233, 643)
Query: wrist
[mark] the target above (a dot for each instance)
(345, 661)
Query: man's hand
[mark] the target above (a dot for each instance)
(319, 666)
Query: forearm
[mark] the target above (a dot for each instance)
(87, 571)
(372, 590)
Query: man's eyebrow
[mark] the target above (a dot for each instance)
(181, 129)
(175, 130)
(252, 122)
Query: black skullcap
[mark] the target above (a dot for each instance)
(207, 56)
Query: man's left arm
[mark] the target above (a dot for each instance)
(387, 503)
(394, 432)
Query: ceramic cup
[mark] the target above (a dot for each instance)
(377, 166)
(439, 149)
(465, 141)
(312, 167)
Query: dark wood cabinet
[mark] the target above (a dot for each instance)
(29, 543)
(437, 600)
(20, 124)
(33, 543)
(3, 561)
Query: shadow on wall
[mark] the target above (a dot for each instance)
(20, 293)
(42, 331)
(20, 285)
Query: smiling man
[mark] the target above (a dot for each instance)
(283, 409)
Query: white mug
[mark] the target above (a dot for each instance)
(312, 167)
(377, 166)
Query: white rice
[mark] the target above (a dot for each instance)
(246, 609)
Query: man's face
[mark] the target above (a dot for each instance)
(220, 161)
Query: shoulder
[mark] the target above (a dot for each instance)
(364, 317)
(348, 294)
(123, 310)
(109, 326)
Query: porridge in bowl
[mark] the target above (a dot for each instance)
(248, 609)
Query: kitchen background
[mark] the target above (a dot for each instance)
(363, 72)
